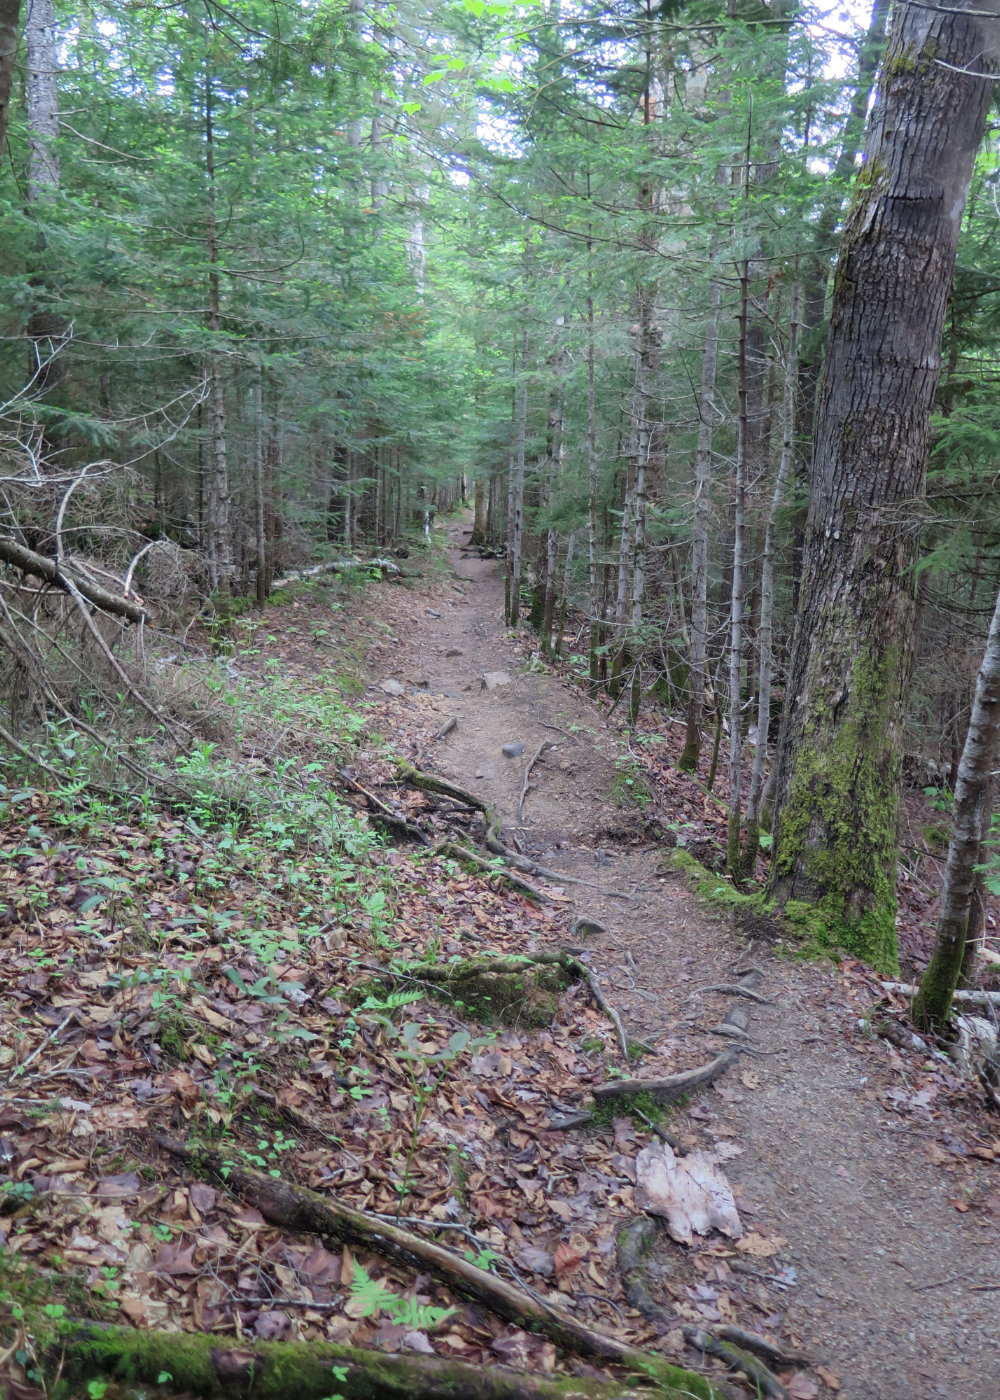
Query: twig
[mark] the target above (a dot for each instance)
(546, 743)
(50, 1037)
(661, 1133)
(907, 989)
(939, 1282)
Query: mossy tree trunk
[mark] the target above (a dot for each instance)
(973, 790)
(840, 750)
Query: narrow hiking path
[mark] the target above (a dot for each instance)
(855, 1167)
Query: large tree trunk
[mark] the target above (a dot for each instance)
(840, 750)
(10, 13)
(973, 791)
(516, 524)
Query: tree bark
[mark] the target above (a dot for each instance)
(748, 859)
(699, 536)
(517, 520)
(478, 536)
(220, 544)
(838, 783)
(972, 790)
(47, 328)
(10, 13)
(737, 598)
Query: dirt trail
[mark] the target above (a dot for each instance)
(859, 1192)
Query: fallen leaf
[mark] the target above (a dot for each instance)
(750, 1078)
(802, 1387)
(758, 1246)
(829, 1378)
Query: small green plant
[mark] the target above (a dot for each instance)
(629, 787)
(373, 1298)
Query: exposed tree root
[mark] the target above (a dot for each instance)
(381, 814)
(633, 1244)
(295, 1208)
(211, 1367)
(738, 1359)
(430, 782)
(664, 1091)
(775, 1356)
(456, 851)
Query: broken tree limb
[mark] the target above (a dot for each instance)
(907, 989)
(297, 1209)
(67, 578)
(664, 1091)
(545, 744)
(737, 1359)
(379, 812)
(209, 1366)
(430, 782)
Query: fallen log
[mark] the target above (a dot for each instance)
(964, 998)
(664, 1091)
(211, 1366)
(297, 1209)
(68, 578)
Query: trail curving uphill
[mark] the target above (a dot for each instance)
(874, 1173)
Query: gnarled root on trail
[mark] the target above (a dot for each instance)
(295, 1208)
(209, 1367)
(430, 782)
(493, 986)
(467, 856)
(738, 1359)
(664, 1091)
(633, 1244)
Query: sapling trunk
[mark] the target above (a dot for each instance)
(937, 987)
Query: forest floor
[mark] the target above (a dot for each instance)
(857, 1157)
(166, 973)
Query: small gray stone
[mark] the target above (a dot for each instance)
(453, 651)
(584, 928)
(393, 688)
(492, 679)
(421, 682)
(513, 750)
(432, 613)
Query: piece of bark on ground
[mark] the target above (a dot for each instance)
(295, 1208)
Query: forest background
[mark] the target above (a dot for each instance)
(279, 281)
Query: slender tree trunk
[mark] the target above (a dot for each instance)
(699, 536)
(10, 13)
(258, 476)
(518, 504)
(564, 600)
(593, 623)
(754, 800)
(837, 792)
(478, 536)
(737, 595)
(554, 436)
(972, 791)
(47, 328)
(220, 543)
